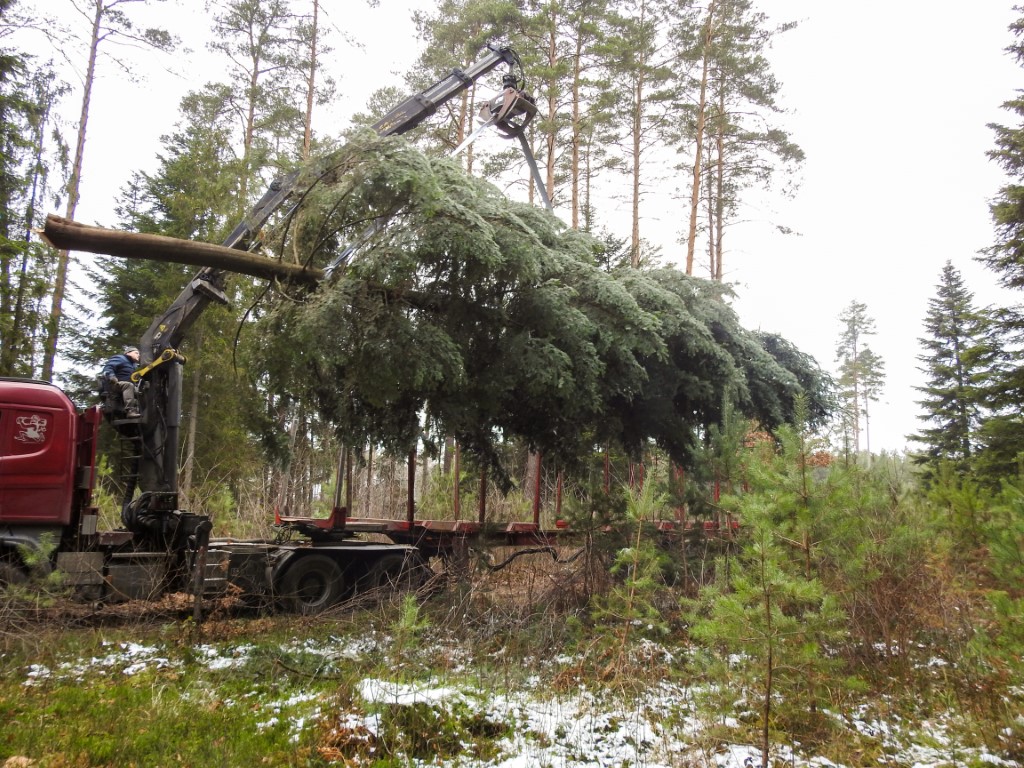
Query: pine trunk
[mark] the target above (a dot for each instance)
(17, 345)
(574, 174)
(719, 230)
(698, 155)
(307, 137)
(552, 136)
(74, 183)
(188, 465)
(638, 92)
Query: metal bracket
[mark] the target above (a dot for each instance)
(165, 357)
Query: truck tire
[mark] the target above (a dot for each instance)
(312, 584)
(396, 572)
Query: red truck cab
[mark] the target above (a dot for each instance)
(47, 457)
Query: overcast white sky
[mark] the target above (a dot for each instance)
(889, 99)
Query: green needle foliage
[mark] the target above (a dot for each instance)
(490, 319)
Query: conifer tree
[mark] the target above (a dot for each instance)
(191, 196)
(109, 23)
(641, 99)
(772, 620)
(861, 371)
(265, 79)
(1006, 256)
(28, 94)
(957, 360)
(1003, 452)
(1001, 435)
(734, 142)
(492, 318)
(587, 28)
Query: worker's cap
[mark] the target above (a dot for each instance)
(130, 349)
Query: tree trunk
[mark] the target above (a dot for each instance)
(64, 233)
(638, 92)
(307, 137)
(574, 173)
(369, 478)
(702, 108)
(74, 183)
(17, 345)
(188, 465)
(552, 137)
(719, 230)
(425, 476)
(770, 670)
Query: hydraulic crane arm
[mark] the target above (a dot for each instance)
(160, 389)
(419, 107)
(168, 330)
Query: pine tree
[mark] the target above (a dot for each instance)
(772, 621)
(108, 21)
(861, 371)
(957, 362)
(734, 140)
(454, 35)
(26, 100)
(638, 61)
(587, 27)
(267, 86)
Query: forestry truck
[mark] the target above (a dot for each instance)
(48, 518)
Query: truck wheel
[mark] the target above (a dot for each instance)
(396, 572)
(312, 584)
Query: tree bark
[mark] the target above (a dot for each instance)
(64, 233)
(702, 108)
(552, 134)
(719, 229)
(188, 466)
(63, 257)
(307, 137)
(574, 176)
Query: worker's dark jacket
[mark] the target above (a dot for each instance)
(120, 366)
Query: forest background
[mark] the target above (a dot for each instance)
(840, 72)
(860, 582)
(765, 247)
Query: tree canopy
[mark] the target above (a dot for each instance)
(453, 307)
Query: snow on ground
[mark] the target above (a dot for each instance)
(660, 728)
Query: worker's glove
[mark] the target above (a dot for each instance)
(112, 379)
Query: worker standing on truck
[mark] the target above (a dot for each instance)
(117, 372)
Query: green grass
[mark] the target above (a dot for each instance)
(285, 692)
(158, 718)
(178, 712)
(275, 697)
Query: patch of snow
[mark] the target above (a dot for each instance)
(225, 658)
(35, 673)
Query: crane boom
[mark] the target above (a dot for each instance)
(160, 390)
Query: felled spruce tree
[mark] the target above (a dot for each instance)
(489, 319)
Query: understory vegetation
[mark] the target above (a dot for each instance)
(851, 617)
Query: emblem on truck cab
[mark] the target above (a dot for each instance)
(33, 429)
